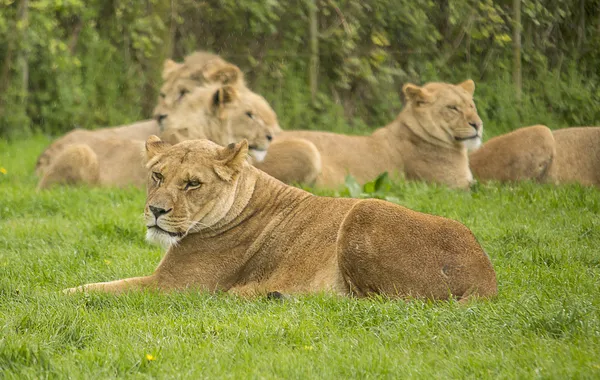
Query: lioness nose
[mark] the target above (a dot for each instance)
(269, 137)
(157, 211)
(474, 125)
(161, 117)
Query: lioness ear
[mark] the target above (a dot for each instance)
(231, 160)
(168, 67)
(468, 85)
(224, 74)
(224, 96)
(154, 146)
(415, 94)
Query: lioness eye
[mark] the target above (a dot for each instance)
(192, 185)
(182, 93)
(157, 177)
(250, 114)
(163, 95)
(453, 108)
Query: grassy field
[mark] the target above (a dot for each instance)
(544, 242)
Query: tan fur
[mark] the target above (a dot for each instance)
(230, 227)
(570, 155)
(525, 153)
(292, 161)
(577, 157)
(421, 144)
(219, 115)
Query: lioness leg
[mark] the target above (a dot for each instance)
(118, 286)
(74, 165)
(292, 160)
(388, 249)
(523, 154)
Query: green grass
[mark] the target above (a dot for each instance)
(544, 242)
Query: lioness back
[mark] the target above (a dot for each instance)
(577, 157)
(136, 131)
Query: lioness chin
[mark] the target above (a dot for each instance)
(230, 227)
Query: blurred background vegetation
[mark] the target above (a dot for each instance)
(323, 64)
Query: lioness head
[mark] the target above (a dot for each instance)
(191, 186)
(198, 69)
(223, 114)
(445, 113)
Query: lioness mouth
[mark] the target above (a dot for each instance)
(466, 138)
(174, 234)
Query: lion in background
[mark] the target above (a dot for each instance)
(220, 114)
(569, 155)
(230, 227)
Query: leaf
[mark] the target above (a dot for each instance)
(354, 189)
(380, 39)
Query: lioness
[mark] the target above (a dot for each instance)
(221, 113)
(569, 155)
(427, 141)
(577, 157)
(230, 227)
(525, 153)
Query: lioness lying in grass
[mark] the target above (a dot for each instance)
(569, 155)
(231, 227)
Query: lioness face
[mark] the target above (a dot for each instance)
(224, 115)
(191, 186)
(450, 109)
(253, 120)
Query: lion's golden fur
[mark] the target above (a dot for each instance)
(523, 154)
(569, 155)
(577, 157)
(230, 227)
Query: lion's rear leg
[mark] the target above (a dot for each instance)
(387, 249)
(76, 164)
(523, 154)
(292, 161)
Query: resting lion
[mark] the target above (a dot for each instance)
(220, 114)
(427, 141)
(523, 154)
(569, 155)
(577, 157)
(230, 227)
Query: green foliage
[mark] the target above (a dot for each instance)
(548, 305)
(68, 63)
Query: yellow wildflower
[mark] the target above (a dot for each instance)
(2, 170)
(150, 357)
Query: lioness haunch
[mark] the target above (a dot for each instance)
(230, 227)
